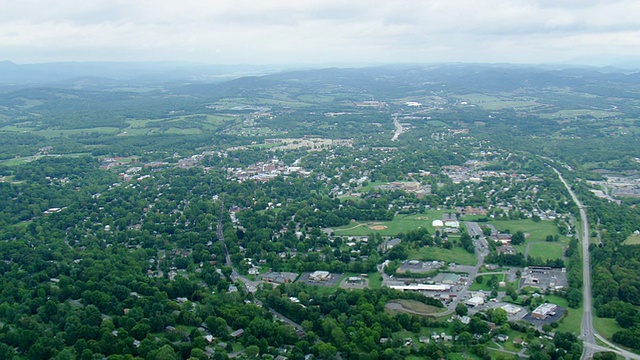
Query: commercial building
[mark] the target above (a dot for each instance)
(475, 301)
(544, 310)
(320, 276)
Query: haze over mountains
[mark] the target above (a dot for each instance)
(142, 72)
(88, 74)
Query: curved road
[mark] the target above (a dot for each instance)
(399, 129)
(588, 332)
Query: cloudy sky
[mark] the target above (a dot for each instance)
(319, 31)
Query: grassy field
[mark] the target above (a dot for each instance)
(572, 321)
(546, 250)
(632, 240)
(572, 114)
(412, 307)
(400, 224)
(484, 286)
(456, 255)
(375, 280)
(606, 327)
(538, 230)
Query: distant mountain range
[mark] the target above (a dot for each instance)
(87, 75)
(103, 73)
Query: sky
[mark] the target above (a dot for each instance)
(320, 31)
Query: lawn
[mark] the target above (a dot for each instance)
(606, 327)
(16, 161)
(546, 250)
(484, 286)
(572, 321)
(632, 240)
(375, 280)
(538, 230)
(413, 307)
(51, 133)
(456, 255)
(400, 224)
(572, 114)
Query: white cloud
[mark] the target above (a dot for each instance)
(317, 31)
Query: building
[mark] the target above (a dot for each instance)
(511, 309)
(437, 223)
(474, 301)
(389, 244)
(421, 287)
(544, 310)
(280, 277)
(450, 220)
(238, 333)
(320, 276)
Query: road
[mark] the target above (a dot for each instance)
(399, 128)
(250, 285)
(588, 332)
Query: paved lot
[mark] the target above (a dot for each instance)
(474, 229)
(559, 312)
(331, 282)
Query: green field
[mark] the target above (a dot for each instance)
(412, 307)
(546, 250)
(456, 255)
(572, 114)
(606, 327)
(475, 286)
(632, 240)
(375, 280)
(400, 224)
(538, 230)
(573, 320)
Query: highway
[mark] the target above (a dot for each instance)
(588, 333)
(399, 128)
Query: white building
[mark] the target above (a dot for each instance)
(544, 310)
(320, 276)
(421, 287)
(475, 301)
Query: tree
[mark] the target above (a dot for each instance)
(499, 316)
(462, 309)
(518, 238)
(574, 297)
(605, 355)
(252, 351)
(165, 353)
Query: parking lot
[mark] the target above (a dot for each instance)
(330, 282)
(558, 314)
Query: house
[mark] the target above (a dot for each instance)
(506, 250)
(424, 339)
(502, 337)
(446, 337)
(209, 338)
(504, 239)
(238, 333)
